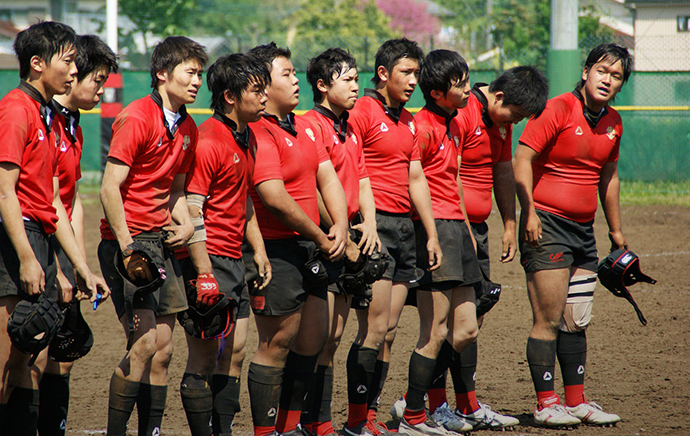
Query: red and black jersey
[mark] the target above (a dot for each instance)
(69, 141)
(29, 142)
(388, 137)
(572, 152)
(289, 151)
(155, 154)
(438, 142)
(484, 145)
(222, 172)
(342, 148)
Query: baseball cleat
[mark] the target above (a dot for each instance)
(591, 413)
(451, 421)
(484, 417)
(366, 428)
(425, 428)
(398, 409)
(555, 416)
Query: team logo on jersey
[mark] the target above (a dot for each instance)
(579, 131)
(384, 127)
(185, 142)
(457, 141)
(236, 159)
(478, 131)
(41, 137)
(611, 133)
(335, 140)
(411, 126)
(63, 146)
(310, 134)
(354, 138)
(442, 146)
(503, 132)
(289, 143)
(160, 142)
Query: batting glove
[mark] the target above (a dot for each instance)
(207, 290)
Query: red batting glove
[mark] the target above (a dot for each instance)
(207, 291)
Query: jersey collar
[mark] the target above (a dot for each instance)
(46, 109)
(437, 110)
(339, 123)
(156, 97)
(591, 117)
(242, 138)
(393, 113)
(288, 124)
(484, 102)
(72, 118)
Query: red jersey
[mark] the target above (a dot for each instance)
(222, 171)
(155, 154)
(439, 139)
(388, 138)
(571, 155)
(291, 152)
(29, 143)
(484, 145)
(69, 140)
(345, 154)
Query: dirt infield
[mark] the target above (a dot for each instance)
(640, 373)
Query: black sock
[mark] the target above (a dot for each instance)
(54, 404)
(197, 401)
(22, 407)
(3, 418)
(443, 360)
(377, 382)
(421, 373)
(571, 350)
(463, 369)
(323, 393)
(299, 370)
(264, 384)
(541, 356)
(121, 401)
(150, 408)
(361, 363)
(226, 403)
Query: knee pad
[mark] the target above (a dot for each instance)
(578, 307)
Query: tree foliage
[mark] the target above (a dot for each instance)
(411, 19)
(158, 17)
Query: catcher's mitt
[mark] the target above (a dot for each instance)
(74, 339)
(208, 323)
(33, 325)
(619, 270)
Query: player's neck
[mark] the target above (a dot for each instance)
(383, 90)
(232, 115)
(275, 108)
(168, 103)
(590, 103)
(37, 83)
(66, 101)
(337, 110)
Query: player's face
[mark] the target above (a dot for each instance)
(344, 89)
(402, 80)
(253, 103)
(283, 92)
(457, 96)
(86, 93)
(59, 74)
(505, 114)
(183, 82)
(602, 82)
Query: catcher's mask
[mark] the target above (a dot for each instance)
(619, 270)
(33, 325)
(74, 339)
(213, 323)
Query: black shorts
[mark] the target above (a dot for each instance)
(42, 246)
(229, 274)
(563, 243)
(459, 266)
(166, 300)
(287, 291)
(396, 232)
(480, 231)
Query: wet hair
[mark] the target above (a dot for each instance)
(392, 51)
(268, 52)
(609, 52)
(327, 66)
(171, 52)
(94, 54)
(235, 73)
(45, 40)
(525, 87)
(440, 71)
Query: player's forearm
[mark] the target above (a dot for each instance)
(288, 212)
(252, 231)
(367, 205)
(200, 258)
(421, 201)
(334, 200)
(326, 219)
(78, 223)
(64, 233)
(609, 193)
(12, 220)
(504, 192)
(522, 168)
(114, 210)
(179, 209)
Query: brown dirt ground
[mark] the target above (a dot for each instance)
(639, 372)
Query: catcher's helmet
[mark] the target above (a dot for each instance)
(33, 325)
(212, 323)
(619, 270)
(74, 340)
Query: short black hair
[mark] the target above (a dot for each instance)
(44, 39)
(525, 87)
(235, 73)
(440, 70)
(93, 54)
(392, 51)
(327, 66)
(171, 52)
(268, 52)
(610, 52)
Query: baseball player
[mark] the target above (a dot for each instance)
(388, 135)
(216, 190)
(291, 312)
(334, 81)
(94, 61)
(31, 210)
(565, 157)
(146, 216)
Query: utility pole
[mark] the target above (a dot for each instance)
(563, 64)
(113, 95)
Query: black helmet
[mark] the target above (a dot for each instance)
(33, 324)
(74, 340)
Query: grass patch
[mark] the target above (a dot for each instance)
(658, 192)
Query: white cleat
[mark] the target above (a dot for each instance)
(451, 421)
(591, 413)
(555, 416)
(426, 428)
(484, 417)
(398, 409)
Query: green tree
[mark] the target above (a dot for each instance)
(158, 17)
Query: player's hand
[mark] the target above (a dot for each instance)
(532, 229)
(31, 276)
(352, 251)
(435, 254)
(617, 240)
(263, 266)
(137, 267)
(65, 289)
(89, 285)
(370, 241)
(509, 246)
(338, 234)
(178, 235)
(207, 290)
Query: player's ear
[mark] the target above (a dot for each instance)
(382, 72)
(585, 73)
(321, 86)
(436, 94)
(498, 96)
(229, 98)
(162, 75)
(37, 64)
